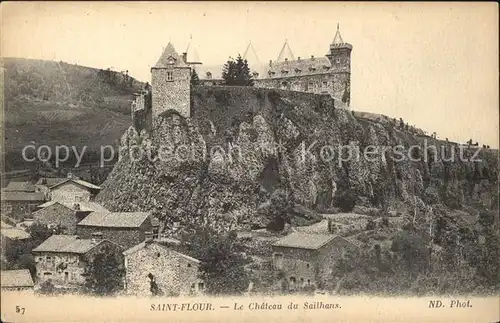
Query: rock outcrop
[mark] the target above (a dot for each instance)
(242, 144)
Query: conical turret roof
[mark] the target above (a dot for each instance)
(192, 55)
(285, 53)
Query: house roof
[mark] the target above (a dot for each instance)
(285, 53)
(16, 278)
(304, 66)
(15, 234)
(5, 225)
(50, 181)
(84, 206)
(23, 196)
(170, 57)
(115, 219)
(19, 187)
(143, 245)
(77, 181)
(67, 244)
(304, 240)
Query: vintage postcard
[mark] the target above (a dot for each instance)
(249, 161)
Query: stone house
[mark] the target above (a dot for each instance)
(19, 205)
(73, 190)
(174, 273)
(53, 213)
(16, 280)
(124, 228)
(307, 259)
(64, 259)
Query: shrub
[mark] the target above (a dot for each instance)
(346, 201)
(370, 225)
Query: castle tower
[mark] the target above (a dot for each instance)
(340, 59)
(171, 80)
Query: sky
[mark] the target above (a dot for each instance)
(433, 64)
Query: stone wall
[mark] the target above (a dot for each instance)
(70, 193)
(174, 274)
(125, 237)
(174, 94)
(57, 214)
(300, 264)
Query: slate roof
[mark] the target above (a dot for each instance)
(84, 206)
(142, 245)
(77, 181)
(66, 244)
(50, 181)
(23, 196)
(115, 219)
(304, 240)
(16, 278)
(15, 234)
(167, 53)
(304, 66)
(19, 187)
(5, 225)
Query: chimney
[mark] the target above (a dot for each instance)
(148, 237)
(184, 57)
(96, 237)
(312, 57)
(298, 58)
(286, 59)
(70, 175)
(270, 63)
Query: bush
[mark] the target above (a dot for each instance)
(370, 225)
(346, 201)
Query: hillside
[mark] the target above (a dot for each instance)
(56, 103)
(231, 189)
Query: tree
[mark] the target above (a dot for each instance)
(346, 200)
(195, 80)
(104, 273)
(279, 211)
(237, 73)
(40, 232)
(222, 264)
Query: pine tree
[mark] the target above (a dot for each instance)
(237, 73)
(195, 80)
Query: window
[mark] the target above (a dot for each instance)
(337, 60)
(66, 276)
(189, 265)
(308, 282)
(308, 265)
(325, 85)
(170, 76)
(200, 286)
(310, 87)
(278, 260)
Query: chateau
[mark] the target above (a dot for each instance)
(171, 75)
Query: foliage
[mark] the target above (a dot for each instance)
(104, 273)
(222, 264)
(47, 287)
(236, 72)
(195, 80)
(345, 200)
(280, 210)
(40, 232)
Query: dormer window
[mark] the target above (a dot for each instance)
(312, 69)
(171, 60)
(298, 70)
(284, 72)
(326, 67)
(170, 76)
(337, 60)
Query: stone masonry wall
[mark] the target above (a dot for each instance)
(174, 274)
(173, 94)
(125, 237)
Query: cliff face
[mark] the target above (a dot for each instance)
(242, 144)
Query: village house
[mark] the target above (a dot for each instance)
(16, 280)
(65, 215)
(64, 259)
(174, 273)
(72, 190)
(19, 205)
(307, 259)
(124, 228)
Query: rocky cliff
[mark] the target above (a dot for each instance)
(242, 144)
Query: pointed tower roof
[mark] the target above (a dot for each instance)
(253, 60)
(285, 53)
(192, 55)
(170, 58)
(338, 42)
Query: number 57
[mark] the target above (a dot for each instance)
(20, 310)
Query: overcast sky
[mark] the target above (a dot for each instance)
(434, 65)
